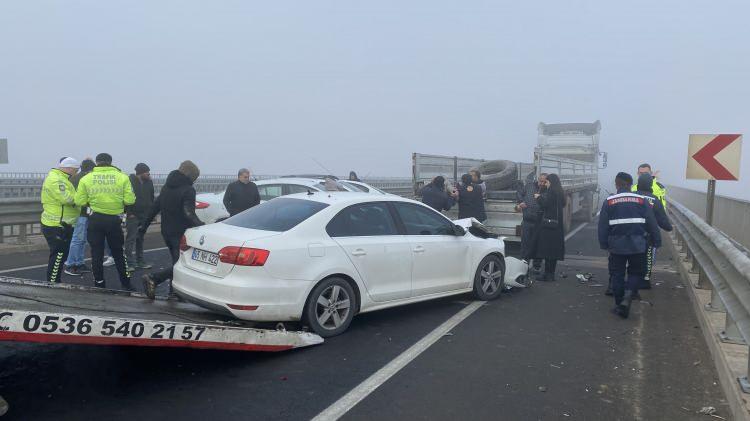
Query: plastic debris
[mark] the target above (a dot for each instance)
(448, 334)
(542, 389)
(707, 410)
(556, 366)
(581, 278)
(596, 285)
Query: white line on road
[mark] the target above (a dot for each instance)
(348, 401)
(45, 265)
(356, 395)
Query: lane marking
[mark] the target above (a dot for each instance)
(361, 391)
(45, 265)
(575, 231)
(348, 401)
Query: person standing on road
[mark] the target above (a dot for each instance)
(106, 190)
(529, 208)
(645, 185)
(657, 189)
(476, 178)
(75, 264)
(176, 203)
(549, 237)
(625, 223)
(470, 200)
(241, 194)
(143, 188)
(435, 196)
(59, 214)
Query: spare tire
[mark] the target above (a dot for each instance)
(499, 174)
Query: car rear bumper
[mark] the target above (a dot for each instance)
(276, 300)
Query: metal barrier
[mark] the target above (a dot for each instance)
(721, 266)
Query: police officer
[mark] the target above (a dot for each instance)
(625, 221)
(106, 190)
(59, 214)
(645, 185)
(657, 189)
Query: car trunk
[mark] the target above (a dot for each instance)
(205, 243)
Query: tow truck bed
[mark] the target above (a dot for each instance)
(32, 311)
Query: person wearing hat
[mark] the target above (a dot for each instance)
(106, 190)
(136, 213)
(59, 214)
(176, 203)
(627, 227)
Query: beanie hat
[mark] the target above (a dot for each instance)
(645, 183)
(69, 162)
(189, 169)
(104, 158)
(141, 168)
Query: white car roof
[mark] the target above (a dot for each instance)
(290, 180)
(348, 198)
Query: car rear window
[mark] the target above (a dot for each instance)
(280, 214)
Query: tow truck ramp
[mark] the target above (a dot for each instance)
(33, 311)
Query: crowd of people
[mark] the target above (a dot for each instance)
(84, 203)
(629, 224)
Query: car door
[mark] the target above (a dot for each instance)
(381, 255)
(440, 258)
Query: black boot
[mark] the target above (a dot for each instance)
(608, 292)
(99, 284)
(644, 284)
(127, 286)
(623, 309)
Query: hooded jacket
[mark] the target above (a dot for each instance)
(144, 196)
(436, 198)
(176, 203)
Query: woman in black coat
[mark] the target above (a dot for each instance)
(549, 237)
(470, 200)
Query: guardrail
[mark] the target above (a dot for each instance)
(723, 267)
(19, 217)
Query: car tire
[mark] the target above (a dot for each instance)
(330, 307)
(489, 280)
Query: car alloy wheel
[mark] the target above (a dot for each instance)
(330, 307)
(489, 280)
(333, 307)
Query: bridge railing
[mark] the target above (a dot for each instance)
(723, 266)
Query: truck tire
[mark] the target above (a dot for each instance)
(499, 174)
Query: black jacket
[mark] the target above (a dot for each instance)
(240, 196)
(471, 202)
(75, 179)
(436, 199)
(526, 195)
(548, 242)
(144, 197)
(661, 215)
(176, 203)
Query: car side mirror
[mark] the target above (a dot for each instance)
(458, 231)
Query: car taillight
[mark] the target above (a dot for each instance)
(201, 205)
(243, 256)
(183, 244)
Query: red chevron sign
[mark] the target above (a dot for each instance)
(714, 157)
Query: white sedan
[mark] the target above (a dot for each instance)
(209, 207)
(322, 257)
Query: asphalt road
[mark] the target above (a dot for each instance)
(551, 352)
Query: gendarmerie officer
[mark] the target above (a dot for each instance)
(627, 226)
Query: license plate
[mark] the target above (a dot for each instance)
(206, 257)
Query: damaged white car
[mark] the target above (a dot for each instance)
(322, 257)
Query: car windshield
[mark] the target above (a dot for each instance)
(281, 214)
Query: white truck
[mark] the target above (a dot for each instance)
(570, 150)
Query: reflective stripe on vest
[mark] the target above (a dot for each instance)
(627, 221)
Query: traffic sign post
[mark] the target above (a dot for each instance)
(714, 157)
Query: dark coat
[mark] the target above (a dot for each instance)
(176, 203)
(144, 197)
(436, 199)
(75, 179)
(548, 242)
(471, 202)
(627, 224)
(240, 196)
(661, 215)
(526, 195)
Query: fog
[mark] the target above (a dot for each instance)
(277, 86)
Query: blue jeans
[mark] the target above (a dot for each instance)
(78, 243)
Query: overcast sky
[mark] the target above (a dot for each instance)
(361, 85)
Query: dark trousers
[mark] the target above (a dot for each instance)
(107, 228)
(58, 240)
(173, 244)
(626, 271)
(550, 265)
(133, 239)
